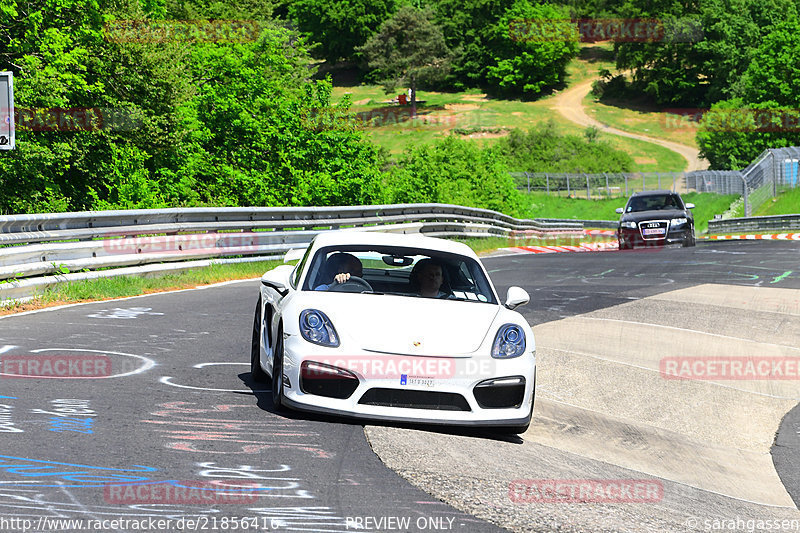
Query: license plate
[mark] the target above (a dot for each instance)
(421, 382)
(654, 231)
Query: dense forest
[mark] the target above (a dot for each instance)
(157, 103)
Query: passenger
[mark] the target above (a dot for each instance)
(426, 279)
(338, 269)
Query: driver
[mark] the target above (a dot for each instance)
(338, 269)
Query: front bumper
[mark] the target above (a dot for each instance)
(464, 391)
(634, 237)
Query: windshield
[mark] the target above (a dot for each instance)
(654, 203)
(410, 272)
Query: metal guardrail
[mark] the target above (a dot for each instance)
(77, 245)
(770, 224)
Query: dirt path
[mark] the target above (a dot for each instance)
(570, 104)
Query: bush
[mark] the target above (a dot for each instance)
(452, 171)
(543, 149)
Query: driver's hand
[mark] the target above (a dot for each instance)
(341, 278)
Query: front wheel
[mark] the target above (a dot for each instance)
(689, 240)
(277, 373)
(256, 372)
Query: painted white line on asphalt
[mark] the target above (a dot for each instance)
(201, 365)
(166, 381)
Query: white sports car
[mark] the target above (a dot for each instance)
(394, 327)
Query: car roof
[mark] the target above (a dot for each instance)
(654, 193)
(358, 236)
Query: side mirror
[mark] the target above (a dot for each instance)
(620, 210)
(278, 279)
(689, 206)
(295, 254)
(516, 296)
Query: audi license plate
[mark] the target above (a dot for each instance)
(654, 231)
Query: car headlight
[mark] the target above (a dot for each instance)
(628, 225)
(509, 342)
(678, 221)
(316, 327)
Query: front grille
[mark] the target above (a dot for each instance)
(657, 229)
(414, 399)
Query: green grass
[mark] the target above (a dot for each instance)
(641, 118)
(706, 206)
(542, 205)
(487, 119)
(787, 203)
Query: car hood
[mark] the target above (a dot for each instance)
(407, 325)
(660, 214)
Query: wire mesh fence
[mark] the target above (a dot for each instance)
(773, 172)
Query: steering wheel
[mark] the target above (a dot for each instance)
(354, 284)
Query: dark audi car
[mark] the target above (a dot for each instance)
(655, 218)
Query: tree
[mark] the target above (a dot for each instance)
(408, 49)
(774, 72)
(522, 63)
(465, 24)
(700, 65)
(733, 133)
(339, 26)
(263, 134)
(737, 130)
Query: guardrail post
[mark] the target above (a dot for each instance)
(529, 182)
(569, 193)
(547, 180)
(774, 180)
(588, 190)
(744, 195)
(608, 191)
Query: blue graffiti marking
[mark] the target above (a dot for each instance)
(78, 425)
(95, 476)
(83, 475)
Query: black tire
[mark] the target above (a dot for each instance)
(690, 240)
(256, 372)
(277, 372)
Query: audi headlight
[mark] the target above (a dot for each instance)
(628, 225)
(678, 221)
(509, 342)
(316, 327)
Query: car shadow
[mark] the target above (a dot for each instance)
(263, 396)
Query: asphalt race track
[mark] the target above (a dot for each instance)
(159, 425)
